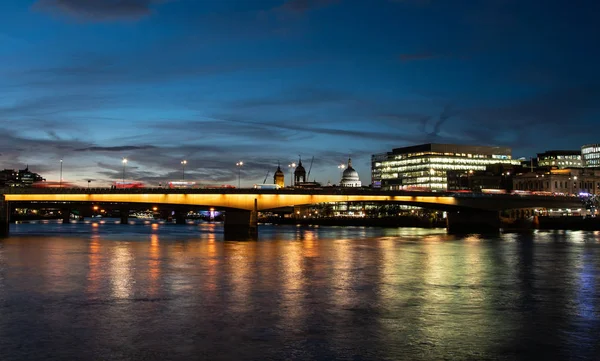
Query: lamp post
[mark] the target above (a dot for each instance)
(239, 165)
(183, 163)
(291, 166)
(60, 180)
(124, 163)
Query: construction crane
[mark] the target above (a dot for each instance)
(266, 176)
(309, 168)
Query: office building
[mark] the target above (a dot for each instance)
(560, 159)
(591, 155)
(496, 176)
(425, 166)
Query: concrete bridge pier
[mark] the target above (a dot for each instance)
(471, 221)
(179, 217)
(241, 225)
(4, 217)
(124, 213)
(66, 215)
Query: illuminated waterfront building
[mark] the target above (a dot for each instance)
(559, 181)
(426, 165)
(591, 155)
(560, 159)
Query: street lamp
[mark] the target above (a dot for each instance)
(124, 163)
(291, 166)
(239, 165)
(183, 163)
(60, 180)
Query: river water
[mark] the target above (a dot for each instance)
(101, 291)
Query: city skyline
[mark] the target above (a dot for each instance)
(159, 82)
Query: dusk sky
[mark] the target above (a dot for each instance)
(216, 82)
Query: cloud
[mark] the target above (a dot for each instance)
(99, 10)
(446, 114)
(114, 149)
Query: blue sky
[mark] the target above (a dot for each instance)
(215, 82)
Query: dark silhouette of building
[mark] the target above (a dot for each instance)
(20, 178)
(299, 173)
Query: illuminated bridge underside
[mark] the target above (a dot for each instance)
(245, 201)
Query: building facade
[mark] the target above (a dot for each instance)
(591, 155)
(496, 176)
(279, 177)
(559, 181)
(299, 174)
(426, 166)
(20, 178)
(350, 177)
(560, 159)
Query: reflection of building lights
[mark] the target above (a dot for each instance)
(120, 272)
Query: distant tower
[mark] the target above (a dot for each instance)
(299, 173)
(278, 177)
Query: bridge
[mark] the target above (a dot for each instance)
(468, 211)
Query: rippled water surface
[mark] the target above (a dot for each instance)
(165, 292)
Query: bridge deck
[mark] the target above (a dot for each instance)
(271, 199)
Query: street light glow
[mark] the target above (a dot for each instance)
(124, 163)
(239, 165)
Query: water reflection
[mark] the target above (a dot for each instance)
(121, 270)
(298, 293)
